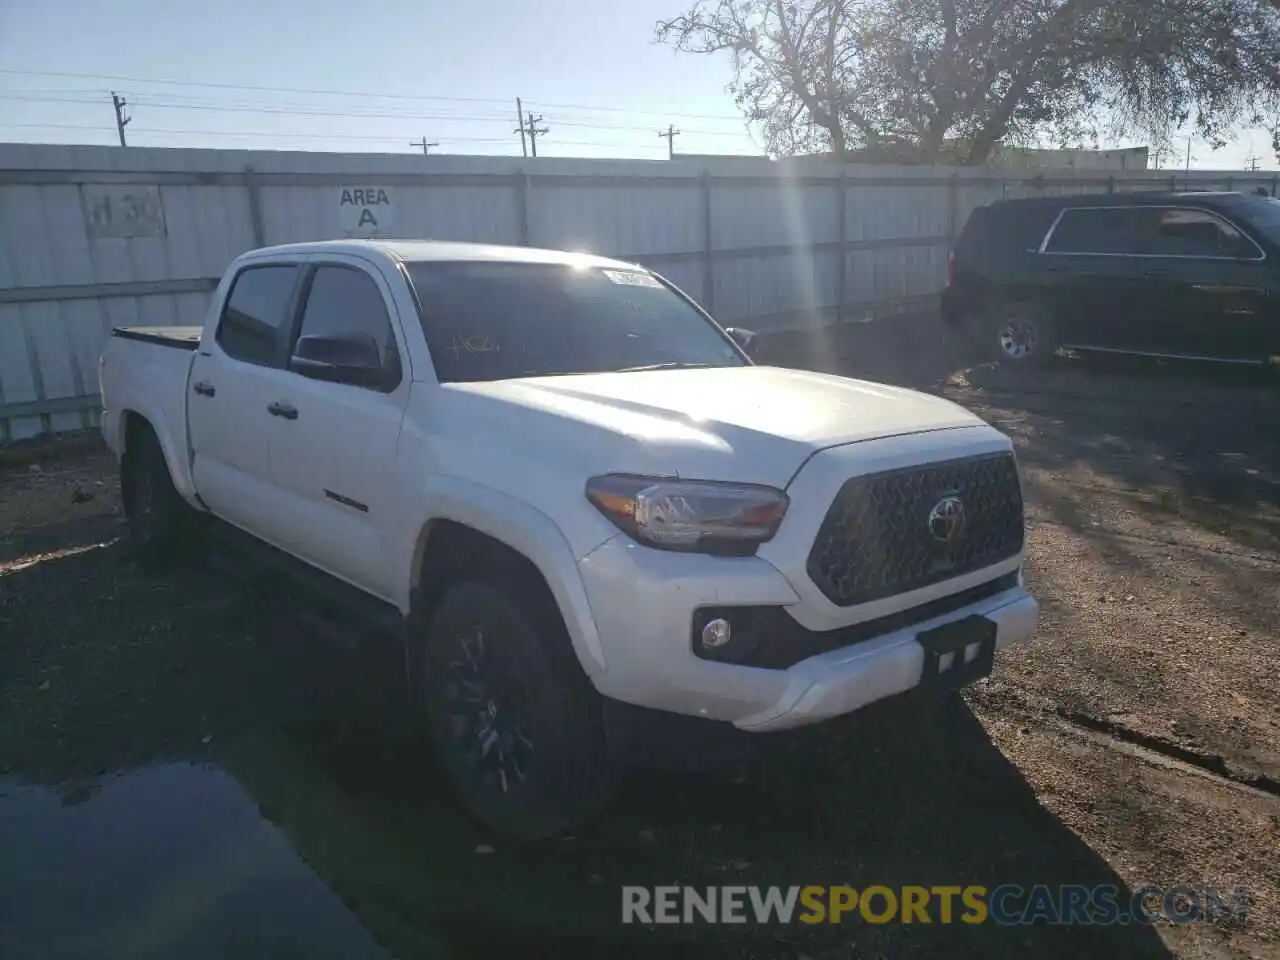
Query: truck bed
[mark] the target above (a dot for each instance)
(181, 338)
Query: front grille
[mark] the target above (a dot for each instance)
(877, 541)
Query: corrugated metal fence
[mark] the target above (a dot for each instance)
(94, 237)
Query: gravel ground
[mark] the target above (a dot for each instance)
(1135, 740)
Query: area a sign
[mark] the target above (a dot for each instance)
(366, 212)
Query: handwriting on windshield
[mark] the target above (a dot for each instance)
(472, 345)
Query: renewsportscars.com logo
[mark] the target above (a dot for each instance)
(1005, 905)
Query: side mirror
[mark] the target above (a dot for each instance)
(744, 338)
(343, 358)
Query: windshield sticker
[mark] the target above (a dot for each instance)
(631, 278)
(472, 345)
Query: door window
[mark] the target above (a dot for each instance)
(1103, 230)
(252, 325)
(346, 302)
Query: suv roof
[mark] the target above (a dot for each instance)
(1118, 199)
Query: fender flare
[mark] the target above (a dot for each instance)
(524, 529)
(179, 466)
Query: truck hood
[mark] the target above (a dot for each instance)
(750, 424)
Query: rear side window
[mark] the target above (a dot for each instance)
(1198, 233)
(253, 320)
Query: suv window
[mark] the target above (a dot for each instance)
(498, 320)
(346, 301)
(253, 317)
(1198, 233)
(1148, 231)
(1263, 214)
(1111, 230)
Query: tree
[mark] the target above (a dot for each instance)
(933, 80)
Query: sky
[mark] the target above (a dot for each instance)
(379, 75)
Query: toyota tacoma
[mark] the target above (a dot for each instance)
(570, 495)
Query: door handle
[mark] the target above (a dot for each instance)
(204, 388)
(281, 408)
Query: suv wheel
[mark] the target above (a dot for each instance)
(515, 721)
(1023, 333)
(159, 520)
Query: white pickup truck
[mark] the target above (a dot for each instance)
(575, 499)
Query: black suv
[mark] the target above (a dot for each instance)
(1194, 275)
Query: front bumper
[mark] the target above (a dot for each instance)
(644, 601)
(840, 682)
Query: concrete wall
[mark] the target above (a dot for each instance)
(94, 237)
(1129, 158)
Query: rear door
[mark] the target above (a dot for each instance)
(1214, 282)
(333, 444)
(228, 392)
(1098, 279)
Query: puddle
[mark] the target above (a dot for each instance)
(173, 860)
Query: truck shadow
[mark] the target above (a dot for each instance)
(115, 670)
(906, 795)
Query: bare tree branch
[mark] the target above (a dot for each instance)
(924, 79)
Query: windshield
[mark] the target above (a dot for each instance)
(1263, 214)
(487, 320)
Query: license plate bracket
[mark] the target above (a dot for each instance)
(955, 638)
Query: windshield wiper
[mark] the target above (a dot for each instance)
(669, 365)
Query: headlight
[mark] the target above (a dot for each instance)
(691, 515)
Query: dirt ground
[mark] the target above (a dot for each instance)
(1134, 740)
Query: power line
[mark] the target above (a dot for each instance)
(243, 86)
(101, 128)
(633, 110)
(426, 147)
(308, 111)
(116, 78)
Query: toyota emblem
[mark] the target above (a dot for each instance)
(946, 519)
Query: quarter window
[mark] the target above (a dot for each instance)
(253, 318)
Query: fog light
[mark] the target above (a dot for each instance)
(716, 634)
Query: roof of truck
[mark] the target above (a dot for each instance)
(417, 250)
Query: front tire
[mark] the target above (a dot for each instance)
(1021, 332)
(515, 721)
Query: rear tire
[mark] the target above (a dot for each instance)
(1020, 332)
(515, 721)
(160, 524)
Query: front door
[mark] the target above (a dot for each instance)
(1098, 280)
(333, 444)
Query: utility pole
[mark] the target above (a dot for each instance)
(670, 136)
(121, 120)
(1188, 154)
(426, 147)
(531, 129)
(524, 145)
